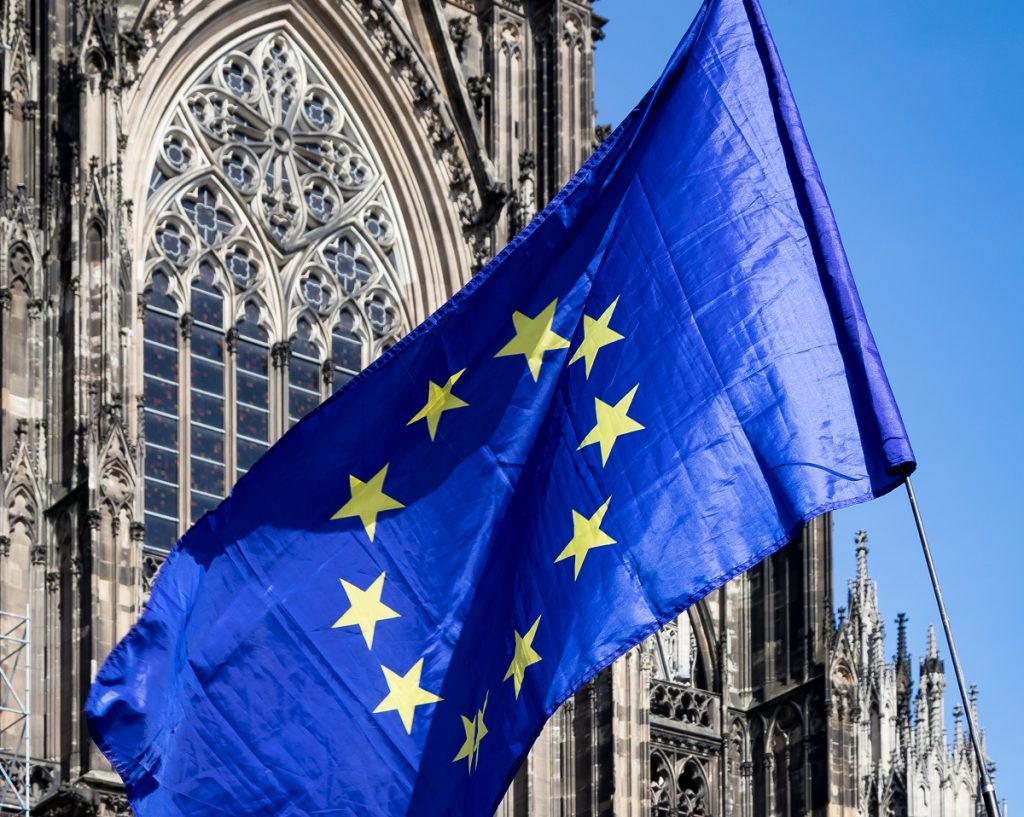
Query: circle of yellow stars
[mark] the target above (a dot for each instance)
(534, 338)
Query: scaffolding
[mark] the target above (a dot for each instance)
(15, 694)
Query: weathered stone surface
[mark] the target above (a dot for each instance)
(139, 234)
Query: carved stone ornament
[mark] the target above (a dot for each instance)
(263, 151)
(479, 91)
(114, 486)
(115, 804)
(683, 704)
(458, 30)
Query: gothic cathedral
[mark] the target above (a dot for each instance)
(212, 214)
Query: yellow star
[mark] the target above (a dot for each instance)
(525, 656)
(586, 535)
(404, 694)
(366, 608)
(368, 500)
(439, 400)
(533, 338)
(596, 335)
(476, 731)
(612, 423)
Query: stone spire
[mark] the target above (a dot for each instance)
(902, 656)
(861, 538)
(933, 648)
(958, 729)
(904, 678)
(933, 689)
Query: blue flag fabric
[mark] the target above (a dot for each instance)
(651, 389)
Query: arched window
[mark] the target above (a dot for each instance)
(739, 771)
(346, 348)
(160, 393)
(252, 391)
(679, 787)
(787, 750)
(303, 374)
(843, 729)
(206, 394)
(274, 261)
(94, 246)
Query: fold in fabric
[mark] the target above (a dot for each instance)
(652, 388)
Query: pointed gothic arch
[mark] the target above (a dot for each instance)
(275, 264)
(363, 62)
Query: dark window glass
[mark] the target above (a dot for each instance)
(300, 403)
(161, 328)
(161, 361)
(207, 443)
(253, 422)
(211, 221)
(161, 396)
(207, 375)
(161, 499)
(341, 377)
(162, 431)
(208, 410)
(352, 270)
(252, 392)
(155, 181)
(252, 357)
(200, 504)
(208, 343)
(162, 464)
(160, 387)
(252, 389)
(381, 315)
(248, 453)
(160, 533)
(175, 247)
(304, 373)
(207, 307)
(207, 477)
(206, 469)
(346, 349)
(249, 326)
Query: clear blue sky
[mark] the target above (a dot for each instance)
(915, 112)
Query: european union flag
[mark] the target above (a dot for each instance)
(651, 389)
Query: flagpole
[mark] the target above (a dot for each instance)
(988, 790)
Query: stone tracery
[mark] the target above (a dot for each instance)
(268, 212)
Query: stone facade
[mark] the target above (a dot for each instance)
(760, 702)
(212, 213)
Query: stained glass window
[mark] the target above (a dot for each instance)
(206, 361)
(346, 349)
(160, 390)
(266, 201)
(303, 375)
(252, 391)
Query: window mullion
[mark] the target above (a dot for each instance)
(326, 378)
(184, 425)
(280, 355)
(230, 408)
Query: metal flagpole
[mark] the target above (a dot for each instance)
(988, 791)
